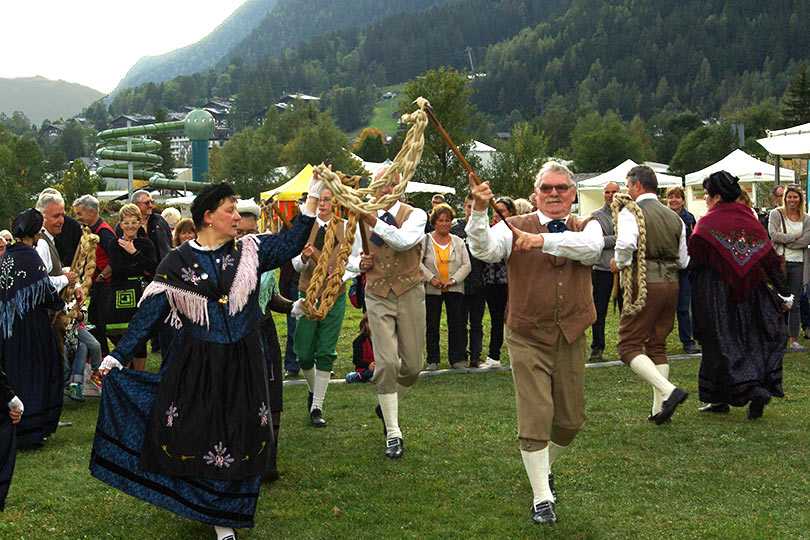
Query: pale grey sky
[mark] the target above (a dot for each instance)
(95, 42)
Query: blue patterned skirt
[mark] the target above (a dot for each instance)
(125, 409)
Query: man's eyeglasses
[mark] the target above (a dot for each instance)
(561, 188)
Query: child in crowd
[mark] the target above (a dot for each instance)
(362, 354)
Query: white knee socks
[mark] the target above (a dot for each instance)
(389, 403)
(537, 467)
(554, 451)
(309, 375)
(319, 388)
(658, 399)
(645, 368)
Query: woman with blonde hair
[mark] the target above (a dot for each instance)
(789, 229)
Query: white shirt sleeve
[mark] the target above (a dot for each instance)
(353, 262)
(488, 244)
(584, 246)
(404, 238)
(298, 263)
(683, 255)
(626, 238)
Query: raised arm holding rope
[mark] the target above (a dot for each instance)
(548, 263)
(650, 248)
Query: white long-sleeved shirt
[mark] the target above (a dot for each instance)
(493, 244)
(627, 237)
(403, 238)
(352, 263)
(59, 282)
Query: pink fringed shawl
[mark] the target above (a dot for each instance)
(186, 292)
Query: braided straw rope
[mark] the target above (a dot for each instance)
(84, 264)
(636, 273)
(320, 297)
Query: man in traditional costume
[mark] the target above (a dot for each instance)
(395, 300)
(643, 336)
(548, 263)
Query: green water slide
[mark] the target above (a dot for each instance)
(129, 147)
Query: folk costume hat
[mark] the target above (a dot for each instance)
(209, 198)
(27, 223)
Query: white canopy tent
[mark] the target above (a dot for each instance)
(413, 187)
(590, 190)
(791, 142)
(747, 168)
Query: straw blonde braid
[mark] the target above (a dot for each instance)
(319, 299)
(636, 273)
(84, 264)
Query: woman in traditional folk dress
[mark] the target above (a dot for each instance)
(29, 352)
(197, 437)
(737, 317)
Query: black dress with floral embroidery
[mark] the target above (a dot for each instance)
(196, 437)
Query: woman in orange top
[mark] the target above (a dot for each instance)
(445, 264)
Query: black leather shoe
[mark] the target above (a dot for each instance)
(551, 486)
(652, 418)
(393, 448)
(756, 408)
(690, 349)
(596, 355)
(378, 412)
(677, 397)
(290, 374)
(316, 418)
(544, 513)
(719, 408)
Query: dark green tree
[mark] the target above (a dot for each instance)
(516, 163)
(97, 115)
(77, 182)
(702, 147)
(797, 101)
(22, 174)
(449, 95)
(370, 146)
(71, 140)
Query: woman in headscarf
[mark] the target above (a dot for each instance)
(737, 317)
(29, 353)
(196, 437)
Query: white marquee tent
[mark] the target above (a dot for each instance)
(747, 168)
(590, 190)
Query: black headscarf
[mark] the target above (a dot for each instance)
(724, 184)
(208, 199)
(27, 224)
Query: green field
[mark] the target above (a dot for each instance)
(382, 117)
(718, 476)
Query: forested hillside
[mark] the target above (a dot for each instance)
(638, 57)
(202, 55)
(293, 22)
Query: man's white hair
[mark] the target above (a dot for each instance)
(48, 197)
(554, 167)
(138, 195)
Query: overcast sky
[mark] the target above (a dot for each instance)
(95, 42)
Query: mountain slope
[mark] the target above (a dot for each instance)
(201, 55)
(40, 98)
(297, 21)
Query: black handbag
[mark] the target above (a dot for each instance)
(124, 297)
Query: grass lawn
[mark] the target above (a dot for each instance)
(382, 118)
(717, 476)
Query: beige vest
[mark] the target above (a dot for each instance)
(397, 271)
(548, 294)
(306, 275)
(663, 240)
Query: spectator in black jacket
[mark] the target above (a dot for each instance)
(474, 294)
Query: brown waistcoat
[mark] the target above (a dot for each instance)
(548, 294)
(397, 271)
(306, 275)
